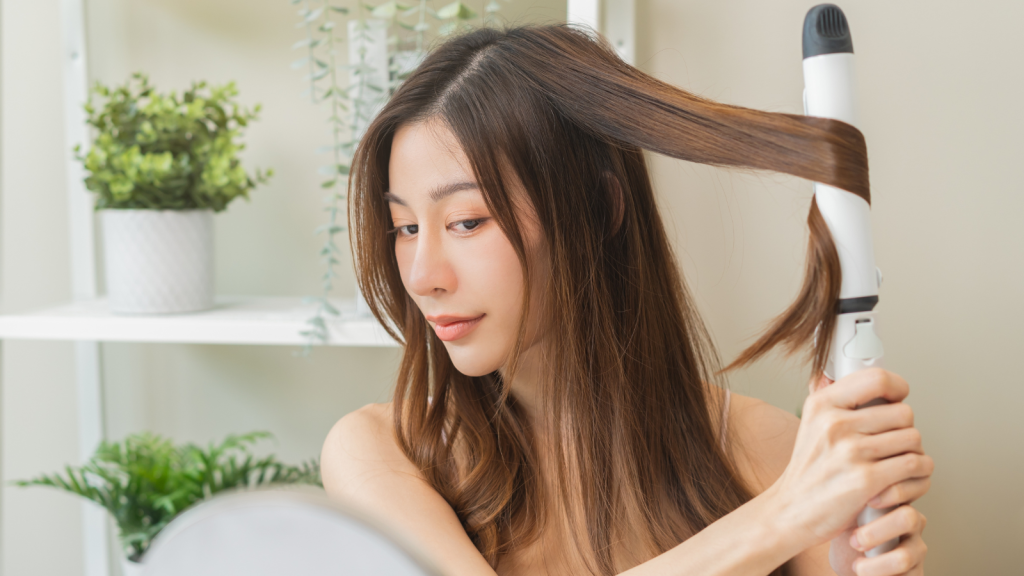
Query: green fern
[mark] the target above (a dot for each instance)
(145, 481)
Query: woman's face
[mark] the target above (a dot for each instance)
(456, 263)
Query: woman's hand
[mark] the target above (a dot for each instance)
(904, 523)
(842, 459)
(846, 553)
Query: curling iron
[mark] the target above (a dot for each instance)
(829, 93)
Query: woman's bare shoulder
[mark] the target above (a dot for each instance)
(359, 448)
(761, 439)
(362, 464)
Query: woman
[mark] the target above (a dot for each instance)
(557, 409)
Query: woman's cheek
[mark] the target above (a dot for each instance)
(403, 256)
(492, 281)
(488, 279)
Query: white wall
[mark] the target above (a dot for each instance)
(939, 82)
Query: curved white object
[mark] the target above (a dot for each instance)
(278, 532)
(829, 92)
(848, 217)
(829, 87)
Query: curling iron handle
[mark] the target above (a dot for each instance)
(856, 346)
(869, 514)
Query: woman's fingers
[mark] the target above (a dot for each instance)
(891, 443)
(907, 559)
(841, 555)
(903, 493)
(896, 469)
(864, 386)
(882, 418)
(849, 449)
(900, 521)
(818, 383)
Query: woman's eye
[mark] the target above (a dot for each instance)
(470, 225)
(412, 229)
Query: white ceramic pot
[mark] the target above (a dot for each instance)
(158, 261)
(129, 568)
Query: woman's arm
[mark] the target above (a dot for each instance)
(761, 442)
(812, 477)
(840, 458)
(363, 465)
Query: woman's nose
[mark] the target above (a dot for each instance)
(431, 270)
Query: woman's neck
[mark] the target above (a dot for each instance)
(526, 386)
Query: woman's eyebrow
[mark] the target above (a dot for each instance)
(442, 192)
(437, 194)
(389, 197)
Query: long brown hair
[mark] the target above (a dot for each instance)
(629, 360)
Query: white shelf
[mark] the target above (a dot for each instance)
(234, 320)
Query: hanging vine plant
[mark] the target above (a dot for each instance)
(352, 106)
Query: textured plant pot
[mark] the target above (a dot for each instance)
(158, 261)
(130, 568)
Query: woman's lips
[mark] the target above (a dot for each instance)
(456, 330)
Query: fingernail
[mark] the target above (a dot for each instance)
(874, 502)
(854, 543)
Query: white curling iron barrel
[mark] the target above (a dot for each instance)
(829, 92)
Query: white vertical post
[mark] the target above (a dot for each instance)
(586, 12)
(83, 275)
(620, 26)
(615, 19)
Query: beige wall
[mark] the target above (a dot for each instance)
(940, 85)
(937, 79)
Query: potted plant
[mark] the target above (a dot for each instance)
(161, 165)
(146, 481)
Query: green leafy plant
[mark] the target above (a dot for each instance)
(146, 481)
(323, 38)
(352, 106)
(167, 152)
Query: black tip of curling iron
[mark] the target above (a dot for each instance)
(826, 31)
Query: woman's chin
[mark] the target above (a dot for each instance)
(471, 363)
